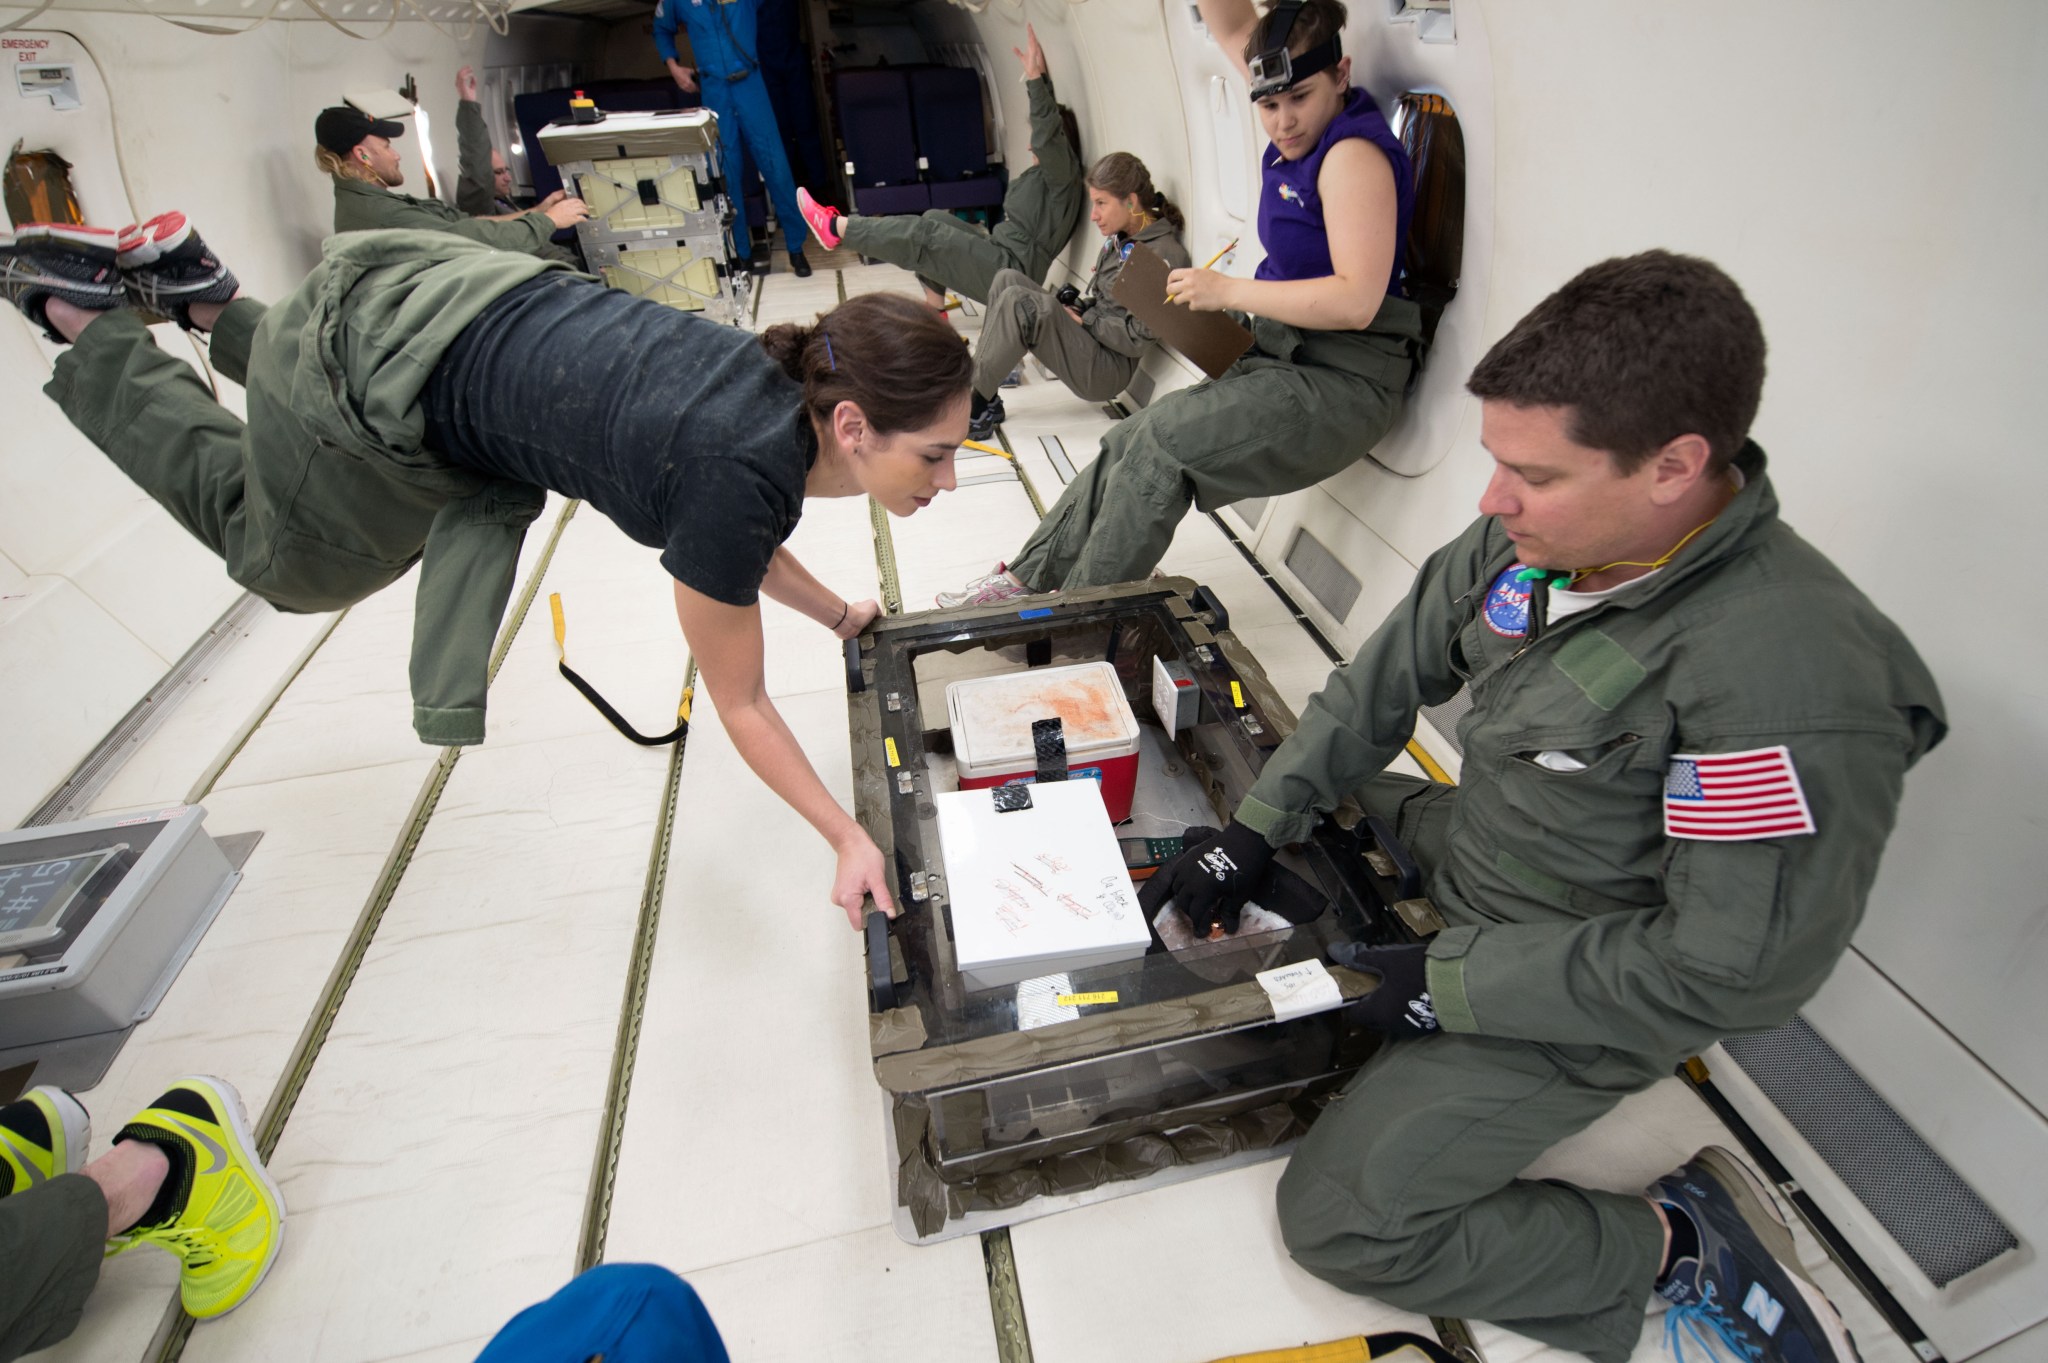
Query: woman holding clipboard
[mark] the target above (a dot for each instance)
(1334, 342)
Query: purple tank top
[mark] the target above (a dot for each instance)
(1291, 211)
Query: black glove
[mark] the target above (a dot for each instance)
(1401, 1005)
(1210, 881)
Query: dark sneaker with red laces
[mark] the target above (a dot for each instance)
(67, 261)
(167, 268)
(1735, 1285)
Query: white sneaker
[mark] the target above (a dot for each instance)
(996, 586)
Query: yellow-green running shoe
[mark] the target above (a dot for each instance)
(43, 1133)
(218, 1211)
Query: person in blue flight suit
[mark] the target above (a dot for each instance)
(786, 67)
(726, 48)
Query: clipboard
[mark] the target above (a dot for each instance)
(1212, 340)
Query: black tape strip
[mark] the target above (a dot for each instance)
(618, 720)
(1049, 744)
(1391, 1342)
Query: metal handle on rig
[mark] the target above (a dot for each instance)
(1394, 860)
(603, 706)
(881, 977)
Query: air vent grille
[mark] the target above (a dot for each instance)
(1250, 509)
(1334, 586)
(1938, 1219)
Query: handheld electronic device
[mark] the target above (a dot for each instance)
(1143, 856)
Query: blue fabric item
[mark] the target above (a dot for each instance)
(722, 44)
(751, 141)
(628, 1313)
(786, 67)
(1291, 208)
(725, 44)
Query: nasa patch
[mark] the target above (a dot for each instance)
(1507, 604)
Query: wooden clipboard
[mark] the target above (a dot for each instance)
(1212, 340)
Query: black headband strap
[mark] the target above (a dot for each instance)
(1274, 70)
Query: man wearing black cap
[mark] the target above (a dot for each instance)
(356, 151)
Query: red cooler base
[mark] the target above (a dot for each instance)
(1118, 775)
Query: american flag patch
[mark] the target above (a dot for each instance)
(1735, 796)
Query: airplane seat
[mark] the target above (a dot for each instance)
(952, 137)
(876, 124)
(1429, 130)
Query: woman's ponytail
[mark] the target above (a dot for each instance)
(1167, 209)
(785, 345)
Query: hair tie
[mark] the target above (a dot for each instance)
(829, 361)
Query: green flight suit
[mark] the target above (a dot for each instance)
(476, 184)
(1040, 211)
(53, 1236)
(1300, 407)
(360, 207)
(325, 495)
(1587, 952)
(1094, 357)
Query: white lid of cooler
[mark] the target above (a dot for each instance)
(992, 716)
(1037, 890)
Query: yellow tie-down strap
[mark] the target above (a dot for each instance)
(598, 702)
(1398, 1345)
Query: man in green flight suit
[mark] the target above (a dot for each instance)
(356, 152)
(1684, 755)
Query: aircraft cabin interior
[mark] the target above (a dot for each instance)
(508, 1005)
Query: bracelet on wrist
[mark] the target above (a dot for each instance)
(845, 608)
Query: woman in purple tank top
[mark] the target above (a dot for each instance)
(1335, 342)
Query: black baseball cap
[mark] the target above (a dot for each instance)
(339, 129)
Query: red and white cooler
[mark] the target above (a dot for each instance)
(992, 718)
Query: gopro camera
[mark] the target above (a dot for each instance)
(1275, 70)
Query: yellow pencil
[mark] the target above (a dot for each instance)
(1213, 259)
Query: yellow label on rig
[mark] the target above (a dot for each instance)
(1076, 1000)
(890, 744)
(1237, 695)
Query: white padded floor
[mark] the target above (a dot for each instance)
(437, 1162)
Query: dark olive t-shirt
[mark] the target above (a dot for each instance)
(681, 430)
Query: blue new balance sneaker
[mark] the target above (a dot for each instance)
(1741, 1295)
(166, 268)
(68, 261)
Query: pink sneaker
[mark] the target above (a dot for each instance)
(819, 218)
(983, 591)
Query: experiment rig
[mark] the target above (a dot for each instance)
(658, 212)
(1045, 1033)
